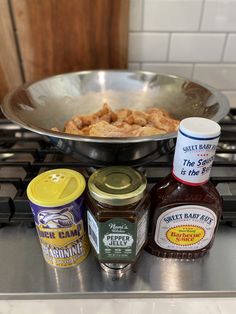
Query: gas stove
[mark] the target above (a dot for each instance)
(24, 154)
(25, 275)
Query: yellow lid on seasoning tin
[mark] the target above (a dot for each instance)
(56, 187)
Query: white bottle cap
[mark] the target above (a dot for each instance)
(200, 127)
(195, 150)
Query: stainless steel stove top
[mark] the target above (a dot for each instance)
(25, 275)
(23, 272)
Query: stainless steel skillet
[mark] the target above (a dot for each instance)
(50, 102)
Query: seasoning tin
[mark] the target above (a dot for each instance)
(57, 204)
(117, 214)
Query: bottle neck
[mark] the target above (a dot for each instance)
(193, 158)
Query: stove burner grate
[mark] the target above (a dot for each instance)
(23, 155)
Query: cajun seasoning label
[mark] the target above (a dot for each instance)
(61, 233)
(117, 239)
(188, 227)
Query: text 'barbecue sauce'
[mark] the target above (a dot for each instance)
(186, 206)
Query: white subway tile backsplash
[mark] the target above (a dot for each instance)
(169, 68)
(148, 47)
(221, 76)
(186, 38)
(231, 95)
(230, 49)
(134, 66)
(219, 15)
(194, 47)
(135, 15)
(172, 15)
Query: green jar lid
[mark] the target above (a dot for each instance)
(117, 185)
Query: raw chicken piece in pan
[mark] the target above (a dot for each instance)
(122, 123)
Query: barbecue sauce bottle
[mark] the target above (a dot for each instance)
(186, 206)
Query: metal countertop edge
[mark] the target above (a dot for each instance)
(119, 295)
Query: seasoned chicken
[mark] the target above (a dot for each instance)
(154, 110)
(122, 123)
(150, 130)
(137, 117)
(104, 129)
(123, 114)
(159, 121)
(55, 129)
(105, 114)
(78, 122)
(71, 128)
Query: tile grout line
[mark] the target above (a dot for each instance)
(142, 16)
(186, 62)
(201, 15)
(183, 32)
(227, 90)
(224, 47)
(193, 69)
(168, 48)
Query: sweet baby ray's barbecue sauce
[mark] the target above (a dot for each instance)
(186, 206)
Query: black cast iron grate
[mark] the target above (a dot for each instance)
(32, 154)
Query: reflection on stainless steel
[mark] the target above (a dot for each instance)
(57, 281)
(116, 270)
(169, 269)
(227, 146)
(213, 275)
(50, 102)
(5, 156)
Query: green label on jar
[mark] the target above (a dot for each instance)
(117, 239)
